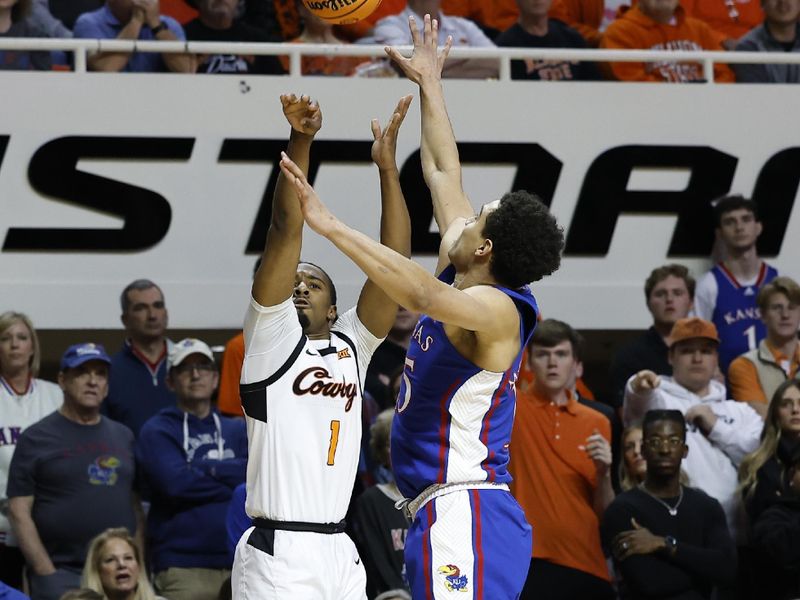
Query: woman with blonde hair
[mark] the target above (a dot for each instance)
(114, 567)
(761, 472)
(632, 467)
(24, 400)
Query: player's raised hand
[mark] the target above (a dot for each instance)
(426, 61)
(644, 381)
(318, 217)
(385, 145)
(303, 114)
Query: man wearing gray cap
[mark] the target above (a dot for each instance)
(71, 477)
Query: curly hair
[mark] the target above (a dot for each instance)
(526, 240)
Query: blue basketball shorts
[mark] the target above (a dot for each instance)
(469, 544)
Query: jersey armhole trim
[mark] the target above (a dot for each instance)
(248, 387)
(350, 343)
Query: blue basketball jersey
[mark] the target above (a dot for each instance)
(453, 419)
(736, 315)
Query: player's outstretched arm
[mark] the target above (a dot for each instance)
(375, 309)
(480, 308)
(274, 280)
(440, 162)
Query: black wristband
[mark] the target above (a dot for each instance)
(162, 26)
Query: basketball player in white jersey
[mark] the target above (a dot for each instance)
(301, 387)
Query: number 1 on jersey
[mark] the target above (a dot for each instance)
(334, 441)
(750, 334)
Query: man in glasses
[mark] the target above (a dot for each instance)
(668, 540)
(721, 432)
(192, 458)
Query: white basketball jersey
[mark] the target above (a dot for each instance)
(302, 402)
(18, 413)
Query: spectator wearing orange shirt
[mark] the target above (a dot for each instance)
(561, 463)
(364, 28)
(662, 25)
(228, 401)
(179, 10)
(755, 375)
(318, 31)
(586, 16)
(730, 18)
(289, 22)
(493, 17)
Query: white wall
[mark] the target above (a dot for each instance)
(201, 263)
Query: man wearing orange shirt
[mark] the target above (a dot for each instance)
(493, 17)
(560, 461)
(754, 376)
(662, 25)
(730, 19)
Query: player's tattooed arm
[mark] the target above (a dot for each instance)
(274, 280)
(375, 309)
(440, 162)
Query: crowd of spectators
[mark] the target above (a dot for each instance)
(682, 481)
(126, 478)
(744, 25)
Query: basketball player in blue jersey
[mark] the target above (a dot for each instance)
(456, 402)
(726, 295)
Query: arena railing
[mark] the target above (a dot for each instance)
(80, 48)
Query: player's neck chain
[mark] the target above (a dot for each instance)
(673, 510)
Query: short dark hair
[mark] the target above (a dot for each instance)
(659, 274)
(526, 240)
(552, 332)
(138, 285)
(21, 10)
(331, 286)
(726, 204)
(652, 416)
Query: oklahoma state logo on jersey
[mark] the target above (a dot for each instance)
(317, 381)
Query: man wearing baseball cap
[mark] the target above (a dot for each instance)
(720, 431)
(192, 458)
(71, 477)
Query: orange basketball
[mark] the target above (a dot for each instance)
(342, 12)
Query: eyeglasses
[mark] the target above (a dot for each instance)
(201, 368)
(657, 443)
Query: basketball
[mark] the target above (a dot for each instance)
(341, 12)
